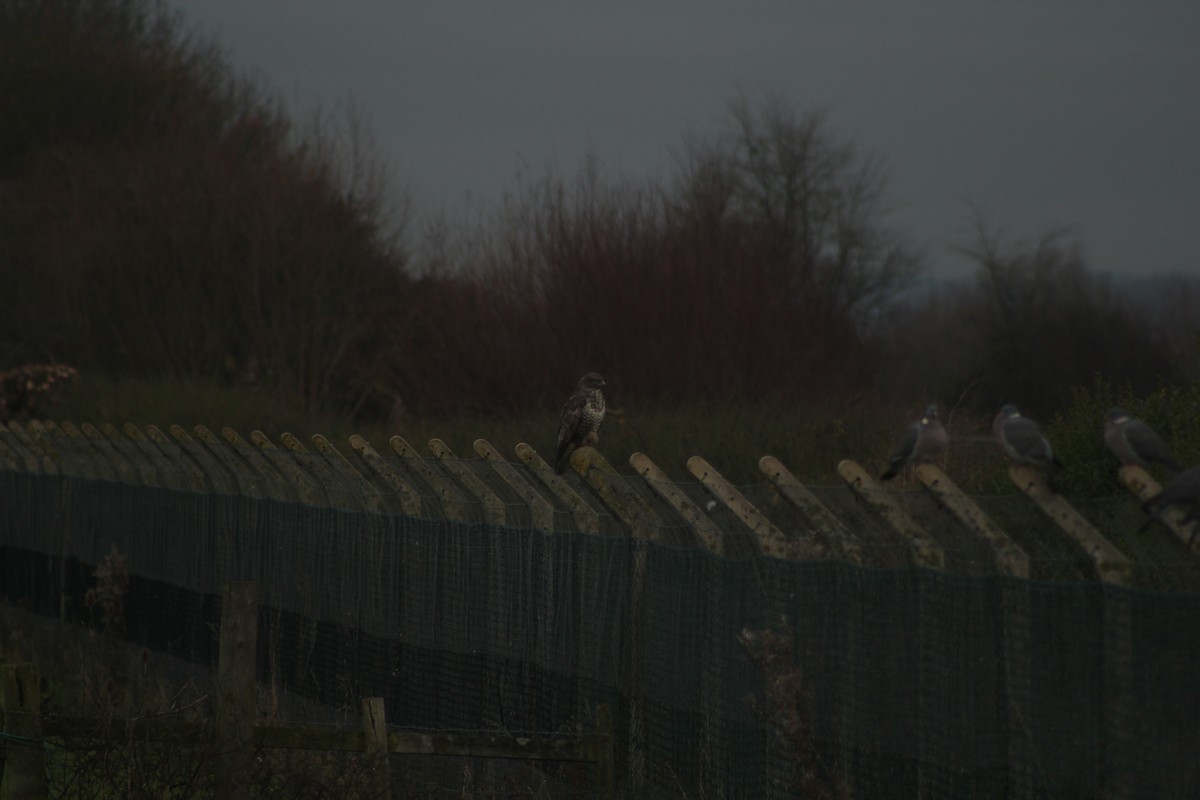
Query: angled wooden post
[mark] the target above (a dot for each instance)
(410, 499)
(372, 498)
(1010, 559)
(94, 449)
(236, 689)
(377, 749)
(926, 551)
(10, 458)
(275, 484)
(705, 529)
(24, 755)
(630, 507)
(310, 490)
(125, 469)
(321, 472)
(1138, 481)
(146, 474)
(540, 509)
(66, 446)
(453, 505)
(55, 453)
(21, 441)
(771, 540)
(586, 518)
(191, 476)
(218, 475)
(247, 481)
(807, 503)
(493, 507)
(1111, 564)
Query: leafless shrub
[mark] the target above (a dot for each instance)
(1034, 323)
(744, 278)
(106, 600)
(31, 388)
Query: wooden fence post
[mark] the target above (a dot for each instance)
(1010, 559)
(587, 520)
(236, 690)
(771, 540)
(606, 778)
(925, 549)
(1111, 564)
(20, 710)
(377, 749)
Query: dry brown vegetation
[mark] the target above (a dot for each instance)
(163, 219)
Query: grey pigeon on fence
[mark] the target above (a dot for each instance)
(582, 415)
(923, 440)
(1024, 443)
(1134, 442)
(1184, 491)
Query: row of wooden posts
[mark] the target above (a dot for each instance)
(236, 735)
(202, 461)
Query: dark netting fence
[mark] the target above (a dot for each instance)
(735, 675)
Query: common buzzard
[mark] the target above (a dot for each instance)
(582, 415)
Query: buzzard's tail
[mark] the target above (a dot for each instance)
(561, 458)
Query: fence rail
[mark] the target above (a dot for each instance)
(235, 736)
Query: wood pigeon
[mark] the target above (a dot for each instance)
(1134, 442)
(923, 439)
(1023, 442)
(1184, 491)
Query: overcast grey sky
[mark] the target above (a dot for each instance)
(1042, 114)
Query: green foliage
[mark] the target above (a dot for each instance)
(1077, 433)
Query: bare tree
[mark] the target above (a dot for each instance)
(817, 204)
(1039, 322)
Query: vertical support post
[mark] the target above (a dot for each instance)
(606, 785)
(1120, 700)
(632, 679)
(1016, 664)
(20, 709)
(375, 728)
(236, 691)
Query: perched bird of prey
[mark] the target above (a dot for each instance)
(1134, 442)
(1023, 442)
(1184, 491)
(923, 440)
(582, 415)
